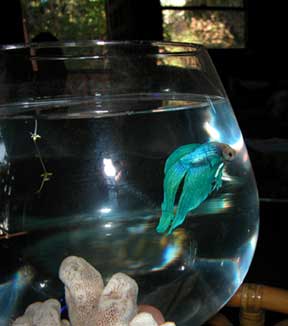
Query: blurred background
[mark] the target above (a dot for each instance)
(246, 41)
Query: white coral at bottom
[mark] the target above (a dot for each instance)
(89, 302)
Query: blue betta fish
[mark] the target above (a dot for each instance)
(201, 166)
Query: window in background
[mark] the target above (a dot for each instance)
(213, 23)
(66, 19)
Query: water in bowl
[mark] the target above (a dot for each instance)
(79, 180)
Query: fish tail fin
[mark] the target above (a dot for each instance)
(165, 221)
(178, 220)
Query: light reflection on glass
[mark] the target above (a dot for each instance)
(214, 135)
(230, 266)
(177, 3)
(105, 210)
(101, 111)
(212, 132)
(171, 252)
(11, 292)
(253, 242)
(3, 152)
(226, 176)
(182, 268)
(109, 168)
(238, 145)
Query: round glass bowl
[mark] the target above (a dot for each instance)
(91, 154)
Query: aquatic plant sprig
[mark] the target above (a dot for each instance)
(46, 176)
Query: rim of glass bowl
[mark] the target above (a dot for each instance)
(150, 49)
(175, 48)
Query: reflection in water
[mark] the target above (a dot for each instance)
(109, 168)
(12, 291)
(171, 251)
(104, 202)
(131, 241)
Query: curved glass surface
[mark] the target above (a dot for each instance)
(85, 132)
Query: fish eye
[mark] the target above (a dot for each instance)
(228, 154)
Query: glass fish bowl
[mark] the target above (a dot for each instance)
(129, 155)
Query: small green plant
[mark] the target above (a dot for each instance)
(45, 176)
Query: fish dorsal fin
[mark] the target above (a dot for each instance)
(178, 153)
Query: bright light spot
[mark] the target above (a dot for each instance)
(212, 132)
(238, 145)
(158, 110)
(226, 176)
(4, 226)
(108, 225)
(10, 47)
(227, 203)
(253, 242)
(101, 111)
(42, 285)
(166, 90)
(105, 210)
(182, 268)
(171, 252)
(3, 152)
(109, 168)
(173, 3)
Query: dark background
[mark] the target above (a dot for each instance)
(256, 82)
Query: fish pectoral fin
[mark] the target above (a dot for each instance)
(218, 178)
(218, 184)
